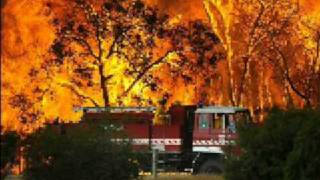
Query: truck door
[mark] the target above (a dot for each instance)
(219, 122)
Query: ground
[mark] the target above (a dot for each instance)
(160, 177)
(13, 177)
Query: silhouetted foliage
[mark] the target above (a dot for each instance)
(303, 162)
(78, 152)
(286, 145)
(198, 50)
(9, 148)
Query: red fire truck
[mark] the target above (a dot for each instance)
(190, 138)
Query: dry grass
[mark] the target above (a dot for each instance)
(183, 177)
(13, 177)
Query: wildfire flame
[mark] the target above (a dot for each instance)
(27, 34)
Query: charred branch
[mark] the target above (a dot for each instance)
(288, 78)
(86, 45)
(144, 71)
(103, 79)
(78, 93)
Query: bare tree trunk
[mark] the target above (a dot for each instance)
(318, 95)
(230, 83)
(103, 78)
(103, 86)
(242, 80)
(289, 99)
(317, 67)
(318, 90)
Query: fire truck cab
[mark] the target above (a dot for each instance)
(214, 127)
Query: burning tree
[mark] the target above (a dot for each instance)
(286, 47)
(90, 35)
(266, 49)
(93, 35)
(264, 22)
(138, 37)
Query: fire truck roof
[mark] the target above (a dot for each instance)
(115, 109)
(220, 109)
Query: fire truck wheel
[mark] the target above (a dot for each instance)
(210, 167)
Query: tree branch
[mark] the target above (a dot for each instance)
(287, 75)
(123, 55)
(317, 48)
(144, 71)
(86, 45)
(111, 51)
(255, 25)
(73, 89)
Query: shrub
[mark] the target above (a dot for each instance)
(9, 147)
(273, 150)
(79, 152)
(303, 161)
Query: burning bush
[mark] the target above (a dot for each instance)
(83, 151)
(285, 146)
